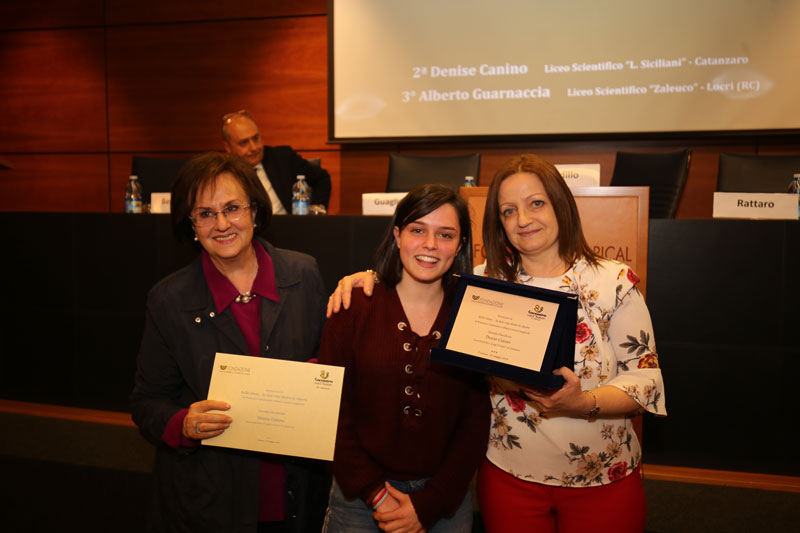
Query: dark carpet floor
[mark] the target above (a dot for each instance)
(38, 496)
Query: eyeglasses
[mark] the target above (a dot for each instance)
(206, 217)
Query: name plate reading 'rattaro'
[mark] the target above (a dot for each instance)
(756, 206)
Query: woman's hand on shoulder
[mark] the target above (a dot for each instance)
(401, 519)
(200, 424)
(569, 399)
(341, 296)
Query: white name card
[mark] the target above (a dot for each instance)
(380, 203)
(580, 175)
(159, 202)
(752, 205)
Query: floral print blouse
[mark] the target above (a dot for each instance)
(614, 346)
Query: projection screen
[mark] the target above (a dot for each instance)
(444, 68)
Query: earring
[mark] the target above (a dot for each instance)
(195, 237)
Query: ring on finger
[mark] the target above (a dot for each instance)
(197, 427)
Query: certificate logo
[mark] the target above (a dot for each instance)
(231, 369)
(486, 301)
(323, 381)
(537, 313)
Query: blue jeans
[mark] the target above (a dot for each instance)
(345, 516)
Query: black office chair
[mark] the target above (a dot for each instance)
(664, 172)
(409, 171)
(155, 174)
(756, 173)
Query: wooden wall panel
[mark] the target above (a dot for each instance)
(365, 170)
(58, 183)
(167, 71)
(782, 146)
(52, 91)
(120, 170)
(362, 171)
(28, 14)
(150, 11)
(364, 167)
(170, 85)
(697, 200)
(331, 161)
(494, 158)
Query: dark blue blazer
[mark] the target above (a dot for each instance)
(206, 488)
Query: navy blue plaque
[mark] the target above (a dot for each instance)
(497, 326)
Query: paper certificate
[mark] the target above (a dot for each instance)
(502, 327)
(277, 406)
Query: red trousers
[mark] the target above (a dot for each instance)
(510, 504)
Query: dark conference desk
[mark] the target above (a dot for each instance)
(76, 286)
(723, 295)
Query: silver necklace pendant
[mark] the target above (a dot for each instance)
(244, 298)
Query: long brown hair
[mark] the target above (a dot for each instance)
(421, 201)
(502, 259)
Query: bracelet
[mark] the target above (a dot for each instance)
(379, 498)
(374, 275)
(594, 410)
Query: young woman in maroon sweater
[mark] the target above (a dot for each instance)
(411, 432)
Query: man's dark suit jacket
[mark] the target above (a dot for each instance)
(282, 165)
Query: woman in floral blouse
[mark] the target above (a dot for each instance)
(566, 460)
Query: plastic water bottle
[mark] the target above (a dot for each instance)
(469, 181)
(133, 196)
(301, 196)
(794, 187)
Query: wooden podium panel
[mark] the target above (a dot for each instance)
(614, 220)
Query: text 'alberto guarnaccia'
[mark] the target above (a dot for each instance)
(540, 89)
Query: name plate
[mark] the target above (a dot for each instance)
(160, 202)
(757, 206)
(510, 330)
(580, 175)
(380, 203)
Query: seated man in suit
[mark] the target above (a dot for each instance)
(277, 166)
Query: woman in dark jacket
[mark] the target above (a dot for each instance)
(241, 296)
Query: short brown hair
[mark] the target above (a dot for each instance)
(200, 172)
(502, 259)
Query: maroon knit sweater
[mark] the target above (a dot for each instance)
(402, 416)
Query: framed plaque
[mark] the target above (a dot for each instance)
(510, 330)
